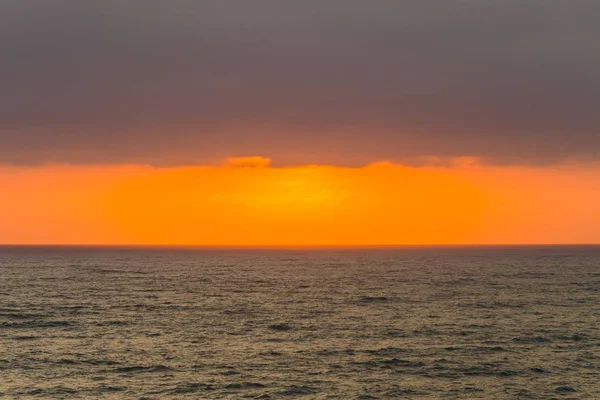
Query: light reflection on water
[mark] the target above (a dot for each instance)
(419, 323)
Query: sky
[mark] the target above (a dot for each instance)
(315, 122)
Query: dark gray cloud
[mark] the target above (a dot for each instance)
(312, 81)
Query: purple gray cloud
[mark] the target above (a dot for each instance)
(313, 81)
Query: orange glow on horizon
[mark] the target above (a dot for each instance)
(247, 202)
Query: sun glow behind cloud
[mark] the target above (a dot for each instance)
(316, 205)
(247, 202)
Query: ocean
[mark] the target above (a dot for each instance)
(374, 323)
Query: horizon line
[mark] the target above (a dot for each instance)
(294, 246)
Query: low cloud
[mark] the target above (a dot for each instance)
(248, 162)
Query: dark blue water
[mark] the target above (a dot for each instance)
(413, 323)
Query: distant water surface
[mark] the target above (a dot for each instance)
(408, 323)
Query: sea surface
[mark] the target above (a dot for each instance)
(401, 323)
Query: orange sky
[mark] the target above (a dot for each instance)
(248, 202)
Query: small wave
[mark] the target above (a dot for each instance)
(534, 339)
(112, 323)
(490, 370)
(22, 315)
(245, 385)
(396, 392)
(100, 362)
(191, 388)
(491, 305)
(386, 351)
(426, 332)
(395, 333)
(229, 373)
(271, 353)
(35, 324)
(281, 327)
(104, 389)
(25, 338)
(538, 370)
(374, 299)
(334, 352)
(476, 349)
(139, 368)
(389, 363)
(565, 389)
(299, 391)
(50, 392)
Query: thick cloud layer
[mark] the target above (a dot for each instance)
(312, 81)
